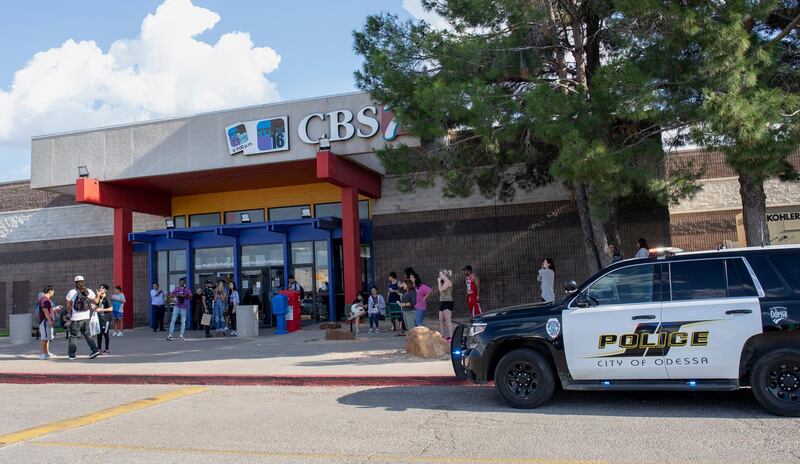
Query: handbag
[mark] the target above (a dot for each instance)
(206, 320)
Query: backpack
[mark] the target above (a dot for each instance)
(80, 303)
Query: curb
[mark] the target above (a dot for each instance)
(233, 380)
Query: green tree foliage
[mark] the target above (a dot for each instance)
(729, 70)
(517, 94)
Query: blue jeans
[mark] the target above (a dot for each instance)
(420, 317)
(175, 312)
(374, 319)
(219, 316)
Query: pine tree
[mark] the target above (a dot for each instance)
(522, 93)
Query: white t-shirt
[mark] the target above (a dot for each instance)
(80, 315)
(157, 300)
(642, 253)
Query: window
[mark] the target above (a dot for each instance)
(767, 276)
(213, 258)
(698, 280)
(335, 209)
(287, 213)
(739, 281)
(235, 217)
(170, 266)
(262, 255)
(180, 222)
(789, 267)
(202, 220)
(624, 286)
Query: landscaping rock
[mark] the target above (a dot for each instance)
(332, 334)
(329, 325)
(426, 343)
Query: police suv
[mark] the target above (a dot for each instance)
(714, 320)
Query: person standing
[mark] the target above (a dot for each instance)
(547, 279)
(615, 254)
(182, 295)
(157, 302)
(47, 320)
(295, 285)
(118, 309)
(446, 303)
(376, 306)
(220, 300)
(423, 292)
(393, 296)
(104, 318)
(198, 308)
(473, 291)
(79, 305)
(233, 303)
(407, 302)
(208, 297)
(644, 250)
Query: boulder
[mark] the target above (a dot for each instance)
(333, 334)
(329, 325)
(426, 343)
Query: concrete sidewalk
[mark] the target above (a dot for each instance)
(297, 358)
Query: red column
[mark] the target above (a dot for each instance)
(123, 260)
(351, 242)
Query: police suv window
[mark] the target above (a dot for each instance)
(697, 280)
(739, 281)
(789, 267)
(767, 276)
(624, 286)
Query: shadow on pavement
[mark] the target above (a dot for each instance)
(700, 405)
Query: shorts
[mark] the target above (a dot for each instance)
(45, 333)
(446, 305)
(474, 307)
(116, 315)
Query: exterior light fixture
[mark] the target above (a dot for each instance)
(83, 171)
(169, 223)
(305, 213)
(245, 217)
(324, 143)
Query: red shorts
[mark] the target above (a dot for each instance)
(473, 306)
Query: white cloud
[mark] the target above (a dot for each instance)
(415, 9)
(164, 72)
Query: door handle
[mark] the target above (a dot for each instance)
(739, 311)
(643, 316)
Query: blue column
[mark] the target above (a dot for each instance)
(151, 270)
(189, 279)
(237, 262)
(286, 256)
(331, 280)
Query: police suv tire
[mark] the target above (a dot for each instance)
(524, 378)
(774, 373)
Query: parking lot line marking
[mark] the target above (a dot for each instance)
(310, 456)
(97, 416)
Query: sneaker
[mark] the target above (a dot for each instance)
(233, 333)
(51, 355)
(72, 358)
(120, 334)
(181, 338)
(377, 331)
(43, 356)
(370, 330)
(105, 352)
(169, 338)
(94, 355)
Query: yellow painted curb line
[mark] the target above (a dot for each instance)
(97, 416)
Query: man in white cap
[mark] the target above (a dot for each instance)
(79, 306)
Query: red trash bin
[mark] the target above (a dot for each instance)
(293, 321)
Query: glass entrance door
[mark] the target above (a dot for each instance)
(258, 288)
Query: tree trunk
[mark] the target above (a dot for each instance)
(754, 210)
(611, 226)
(582, 201)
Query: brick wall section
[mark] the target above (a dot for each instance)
(703, 231)
(15, 196)
(57, 262)
(505, 245)
(713, 161)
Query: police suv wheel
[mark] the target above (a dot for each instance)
(775, 381)
(524, 378)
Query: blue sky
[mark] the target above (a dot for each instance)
(299, 49)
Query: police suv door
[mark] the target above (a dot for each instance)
(710, 309)
(609, 337)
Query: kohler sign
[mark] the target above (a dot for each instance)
(271, 134)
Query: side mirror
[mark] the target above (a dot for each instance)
(583, 300)
(570, 286)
